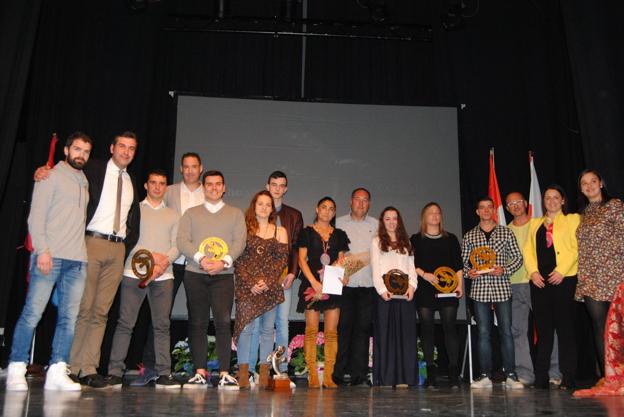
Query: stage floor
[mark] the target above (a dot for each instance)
(304, 402)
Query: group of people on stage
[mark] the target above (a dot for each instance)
(87, 223)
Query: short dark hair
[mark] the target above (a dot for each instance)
(126, 134)
(277, 174)
(156, 171)
(190, 155)
(361, 189)
(78, 135)
(212, 173)
(484, 198)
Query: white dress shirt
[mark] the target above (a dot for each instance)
(104, 216)
(382, 262)
(360, 233)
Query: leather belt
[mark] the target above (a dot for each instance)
(110, 238)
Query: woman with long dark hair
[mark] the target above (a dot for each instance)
(395, 352)
(434, 247)
(601, 252)
(551, 260)
(320, 244)
(257, 287)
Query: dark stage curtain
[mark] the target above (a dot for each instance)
(542, 76)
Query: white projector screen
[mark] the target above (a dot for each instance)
(406, 156)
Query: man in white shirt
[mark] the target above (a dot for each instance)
(358, 297)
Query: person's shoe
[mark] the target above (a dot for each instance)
(453, 376)
(555, 382)
(196, 382)
(228, 382)
(525, 382)
(243, 376)
(512, 381)
(167, 382)
(57, 378)
(482, 381)
(114, 381)
(93, 381)
(16, 377)
(401, 386)
(149, 375)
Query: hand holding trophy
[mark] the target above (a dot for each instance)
(447, 282)
(483, 259)
(397, 283)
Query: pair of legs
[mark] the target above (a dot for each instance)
(598, 311)
(520, 308)
(554, 310)
(205, 293)
(104, 273)
(159, 295)
(281, 331)
(448, 316)
(69, 278)
(483, 314)
(312, 319)
(354, 330)
(265, 323)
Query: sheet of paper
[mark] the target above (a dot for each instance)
(332, 283)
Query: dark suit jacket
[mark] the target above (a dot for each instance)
(292, 221)
(95, 170)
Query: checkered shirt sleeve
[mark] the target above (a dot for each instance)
(489, 288)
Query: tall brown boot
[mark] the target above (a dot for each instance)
(309, 351)
(331, 349)
(243, 376)
(264, 376)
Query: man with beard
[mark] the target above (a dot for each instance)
(56, 224)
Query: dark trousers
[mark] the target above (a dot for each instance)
(354, 330)
(203, 294)
(554, 310)
(149, 356)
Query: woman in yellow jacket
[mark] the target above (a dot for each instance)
(551, 259)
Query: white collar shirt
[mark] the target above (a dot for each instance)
(361, 234)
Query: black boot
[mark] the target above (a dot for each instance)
(453, 377)
(431, 382)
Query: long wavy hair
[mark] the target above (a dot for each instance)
(402, 244)
(250, 214)
(423, 225)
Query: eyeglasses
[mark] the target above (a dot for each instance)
(515, 203)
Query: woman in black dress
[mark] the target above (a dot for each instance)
(434, 247)
(320, 244)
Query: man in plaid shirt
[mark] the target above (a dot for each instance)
(492, 290)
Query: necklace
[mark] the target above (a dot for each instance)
(325, 259)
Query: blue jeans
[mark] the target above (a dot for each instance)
(483, 315)
(281, 331)
(69, 278)
(246, 345)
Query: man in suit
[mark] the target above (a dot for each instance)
(112, 228)
(180, 197)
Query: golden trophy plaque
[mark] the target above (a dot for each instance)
(483, 259)
(214, 248)
(143, 266)
(397, 283)
(447, 282)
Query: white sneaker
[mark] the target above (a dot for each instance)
(197, 382)
(482, 381)
(57, 378)
(512, 382)
(228, 382)
(16, 377)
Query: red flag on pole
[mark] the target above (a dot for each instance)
(494, 193)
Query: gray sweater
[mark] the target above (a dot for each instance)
(157, 233)
(198, 224)
(58, 213)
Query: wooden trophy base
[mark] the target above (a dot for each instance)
(279, 384)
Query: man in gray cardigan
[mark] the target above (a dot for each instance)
(56, 224)
(209, 276)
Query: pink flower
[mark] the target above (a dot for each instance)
(320, 338)
(296, 343)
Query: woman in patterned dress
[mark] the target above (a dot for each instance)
(257, 287)
(601, 252)
(320, 244)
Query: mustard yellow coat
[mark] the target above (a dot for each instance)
(564, 239)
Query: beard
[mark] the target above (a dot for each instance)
(76, 163)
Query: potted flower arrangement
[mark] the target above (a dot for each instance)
(181, 354)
